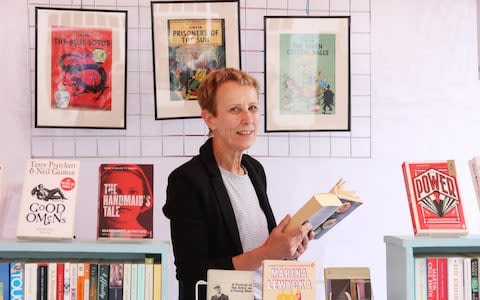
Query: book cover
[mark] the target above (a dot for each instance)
(47, 208)
(81, 68)
(325, 210)
(230, 284)
(442, 276)
(434, 198)
(140, 293)
(347, 283)
(125, 206)
(73, 281)
(193, 56)
(127, 281)
(30, 280)
(474, 278)
(86, 282)
(289, 278)
(115, 287)
(60, 287)
(52, 280)
(432, 278)
(157, 277)
(66, 280)
(455, 277)
(17, 280)
(80, 280)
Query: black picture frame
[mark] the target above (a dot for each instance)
(307, 73)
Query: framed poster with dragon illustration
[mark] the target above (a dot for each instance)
(190, 40)
(307, 73)
(80, 68)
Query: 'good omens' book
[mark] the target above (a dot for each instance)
(125, 203)
(47, 208)
(434, 197)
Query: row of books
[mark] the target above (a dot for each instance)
(447, 277)
(81, 280)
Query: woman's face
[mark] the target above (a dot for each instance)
(235, 125)
(128, 184)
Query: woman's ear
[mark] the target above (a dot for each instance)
(209, 119)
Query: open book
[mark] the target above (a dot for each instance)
(324, 210)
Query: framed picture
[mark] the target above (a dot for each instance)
(307, 73)
(190, 39)
(347, 283)
(80, 71)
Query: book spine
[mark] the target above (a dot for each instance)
(455, 278)
(157, 277)
(474, 278)
(60, 280)
(5, 279)
(134, 281)
(80, 281)
(115, 291)
(432, 278)
(93, 281)
(442, 276)
(52, 281)
(467, 278)
(17, 281)
(103, 281)
(140, 281)
(86, 282)
(127, 281)
(42, 282)
(148, 278)
(411, 201)
(73, 281)
(420, 278)
(66, 281)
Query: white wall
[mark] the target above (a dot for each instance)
(426, 104)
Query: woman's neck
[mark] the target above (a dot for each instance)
(228, 160)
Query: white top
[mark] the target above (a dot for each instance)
(251, 221)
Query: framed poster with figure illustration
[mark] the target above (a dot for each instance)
(307, 73)
(190, 40)
(80, 68)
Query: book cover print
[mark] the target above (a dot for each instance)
(81, 68)
(47, 208)
(434, 197)
(196, 47)
(229, 284)
(341, 213)
(307, 74)
(289, 279)
(125, 207)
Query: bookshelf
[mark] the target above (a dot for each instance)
(16, 250)
(400, 254)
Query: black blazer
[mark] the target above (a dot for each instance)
(203, 228)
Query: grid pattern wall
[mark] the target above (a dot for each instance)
(147, 137)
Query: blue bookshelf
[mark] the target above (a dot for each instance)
(97, 250)
(402, 250)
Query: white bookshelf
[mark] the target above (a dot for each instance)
(400, 254)
(16, 250)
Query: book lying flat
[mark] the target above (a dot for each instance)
(325, 210)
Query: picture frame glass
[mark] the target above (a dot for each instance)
(307, 73)
(80, 74)
(190, 40)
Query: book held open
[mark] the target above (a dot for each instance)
(325, 210)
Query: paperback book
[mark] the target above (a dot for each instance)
(47, 208)
(325, 210)
(125, 204)
(347, 283)
(434, 198)
(289, 279)
(230, 284)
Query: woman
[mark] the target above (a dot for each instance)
(125, 209)
(220, 217)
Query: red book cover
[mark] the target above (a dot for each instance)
(432, 278)
(125, 207)
(434, 198)
(81, 68)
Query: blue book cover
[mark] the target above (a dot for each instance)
(17, 281)
(5, 279)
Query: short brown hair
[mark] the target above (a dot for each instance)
(207, 91)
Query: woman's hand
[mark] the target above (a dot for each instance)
(287, 245)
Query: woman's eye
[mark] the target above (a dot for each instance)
(234, 109)
(253, 108)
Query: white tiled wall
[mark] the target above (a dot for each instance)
(147, 137)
